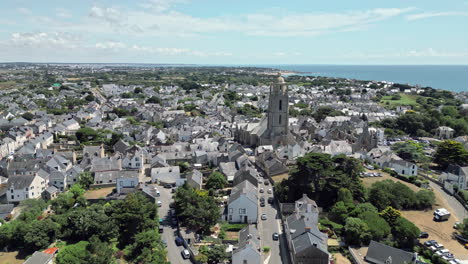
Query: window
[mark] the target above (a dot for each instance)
(26, 188)
(31, 194)
(230, 217)
(280, 105)
(11, 190)
(242, 211)
(231, 210)
(279, 121)
(12, 197)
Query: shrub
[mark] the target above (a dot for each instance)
(266, 249)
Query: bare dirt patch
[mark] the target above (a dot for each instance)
(98, 193)
(340, 259)
(280, 178)
(10, 258)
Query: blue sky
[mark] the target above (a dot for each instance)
(235, 32)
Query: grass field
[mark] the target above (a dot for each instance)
(7, 85)
(406, 99)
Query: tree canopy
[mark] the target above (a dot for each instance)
(451, 152)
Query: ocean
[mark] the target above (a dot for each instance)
(450, 77)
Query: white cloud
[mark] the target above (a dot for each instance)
(110, 45)
(24, 11)
(110, 14)
(434, 14)
(423, 53)
(62, 13)
(45, 40)
(161, 5)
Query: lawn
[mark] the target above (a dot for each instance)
(406, 99)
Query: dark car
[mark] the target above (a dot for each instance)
(168, 186)
(173, 190)
(423, 235)
(270, 200)
(262, 199)
(262, 204)
(266, 182)
(275, 236)
(161, 229)
(179, 241)
(429, 243)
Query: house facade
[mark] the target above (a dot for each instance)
(24, 187)
(243, 204)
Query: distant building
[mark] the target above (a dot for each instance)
(273, 129)
(444, 132)
(382, 254)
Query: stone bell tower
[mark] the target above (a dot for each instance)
(278, 115)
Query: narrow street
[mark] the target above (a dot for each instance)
(270, 226)
(458, 210)
(169, 234)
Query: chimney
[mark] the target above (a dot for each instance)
(307, 228)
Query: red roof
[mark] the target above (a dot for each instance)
(50, 250)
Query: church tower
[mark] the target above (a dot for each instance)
(278, 115)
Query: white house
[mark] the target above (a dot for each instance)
(404, 167)
(165, 175)
(127, 181)
(133, 162)
(25, 187)
(243, 204)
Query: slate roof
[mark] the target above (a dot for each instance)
(244, 188)
(20, 182)
(248, 237)
(379, 253)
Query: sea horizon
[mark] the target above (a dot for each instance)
(451, 77)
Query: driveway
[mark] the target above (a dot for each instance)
(169, 234)
(270, 226)
(457, 209)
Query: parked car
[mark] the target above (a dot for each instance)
(264, 217)
(423, 235)
(185, 254)
(179, 241)
(168, 186)
(457, 225)
(173, 190)
(270, 191)
(270, 200)
(161, 229)
(262, 199)
(262, 204)
(275, 236)
(159, 203)
(442, 252)
(266, 182)
(429, 243)
(261, 190)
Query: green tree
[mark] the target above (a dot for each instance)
(133, 215)
(74, 254)
(85, 179)
(451, 152)
(147, 248)
(28, 116)
(216, 254)
(41, 234)
(405, 232)
(86, 134)
(153, 100)
(378, 227)
(100, 252)
(344, 195)
(391, 215)
(356, 232)
(216, 181)
(410, 150)
(195, 209)
(90, 97)
(464, 228)
(362, 208)
(339, 212)
(425, 199)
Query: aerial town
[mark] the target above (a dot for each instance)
(121, 163)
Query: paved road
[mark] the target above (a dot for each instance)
(458, 210)
(169, 234)
(270, 226)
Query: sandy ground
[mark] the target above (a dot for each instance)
(340, 259)
(10, 258)
(368, 181)
(439, 231)
(98, 193)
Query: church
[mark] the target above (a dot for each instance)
(273, 129)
